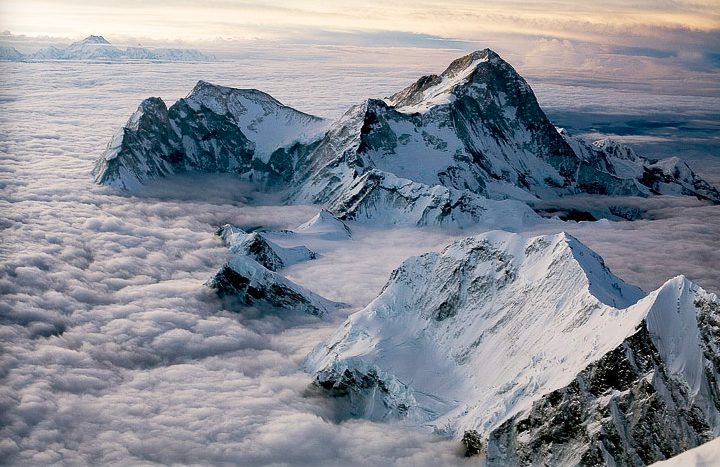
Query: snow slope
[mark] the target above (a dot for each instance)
(326, 226)
(707, 455)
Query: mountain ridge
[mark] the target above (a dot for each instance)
(473, 134)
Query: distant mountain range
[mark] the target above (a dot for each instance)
(98, 48)
(445, 150)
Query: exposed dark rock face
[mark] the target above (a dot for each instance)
(622, 410)
(473, 443)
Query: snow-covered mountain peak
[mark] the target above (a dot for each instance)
(261, 248)
(91, 39)
(431, 154)
(214, 129)
(247, 281)
(325, 225)
(261, 117)
(462, 65)
(497, 328)
(480, 69)
(205, 91)
(537, 258)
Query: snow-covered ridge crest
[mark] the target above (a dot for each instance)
(478, 335)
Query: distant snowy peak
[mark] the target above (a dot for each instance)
(214, 129)
(91, 39)
(98, 48)
(10, 54)
(533, 343)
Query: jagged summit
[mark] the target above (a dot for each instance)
(92, 39)
(259, 247)
(534, 344)
(483, 67)
(470, 61)
(245, 280)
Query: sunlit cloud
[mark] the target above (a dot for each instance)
(273, 20)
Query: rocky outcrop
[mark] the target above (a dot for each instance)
(248, 283)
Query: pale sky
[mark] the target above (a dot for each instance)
(644, 22)
(666, 45)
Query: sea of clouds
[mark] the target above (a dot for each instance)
(113, 352)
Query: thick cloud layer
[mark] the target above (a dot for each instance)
(114, 352)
